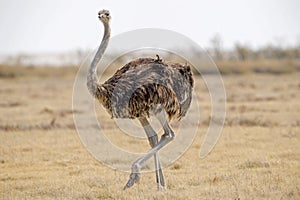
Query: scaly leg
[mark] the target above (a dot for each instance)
(153, 140)
(165, 139)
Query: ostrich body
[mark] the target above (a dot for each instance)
(139, 89)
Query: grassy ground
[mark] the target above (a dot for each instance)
(257, 157)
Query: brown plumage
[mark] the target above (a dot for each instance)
(145, 85)
(142, 87)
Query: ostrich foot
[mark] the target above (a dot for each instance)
(135, 175)
(133, 178)
(160, 181)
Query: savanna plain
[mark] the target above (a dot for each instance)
(256, 157)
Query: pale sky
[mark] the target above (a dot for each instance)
(34, 26)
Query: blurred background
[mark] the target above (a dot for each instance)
(35, 33)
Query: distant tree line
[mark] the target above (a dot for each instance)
(245, 52)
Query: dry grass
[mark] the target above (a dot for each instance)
(257, 157)
(269, 66)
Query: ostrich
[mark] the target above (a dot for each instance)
(143, 87)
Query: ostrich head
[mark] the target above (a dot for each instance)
(104, 16)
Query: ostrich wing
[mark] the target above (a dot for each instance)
(136, 88)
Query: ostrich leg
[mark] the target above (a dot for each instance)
(153, 140)
(167, 137)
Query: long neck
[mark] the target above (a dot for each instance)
(92, 79)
